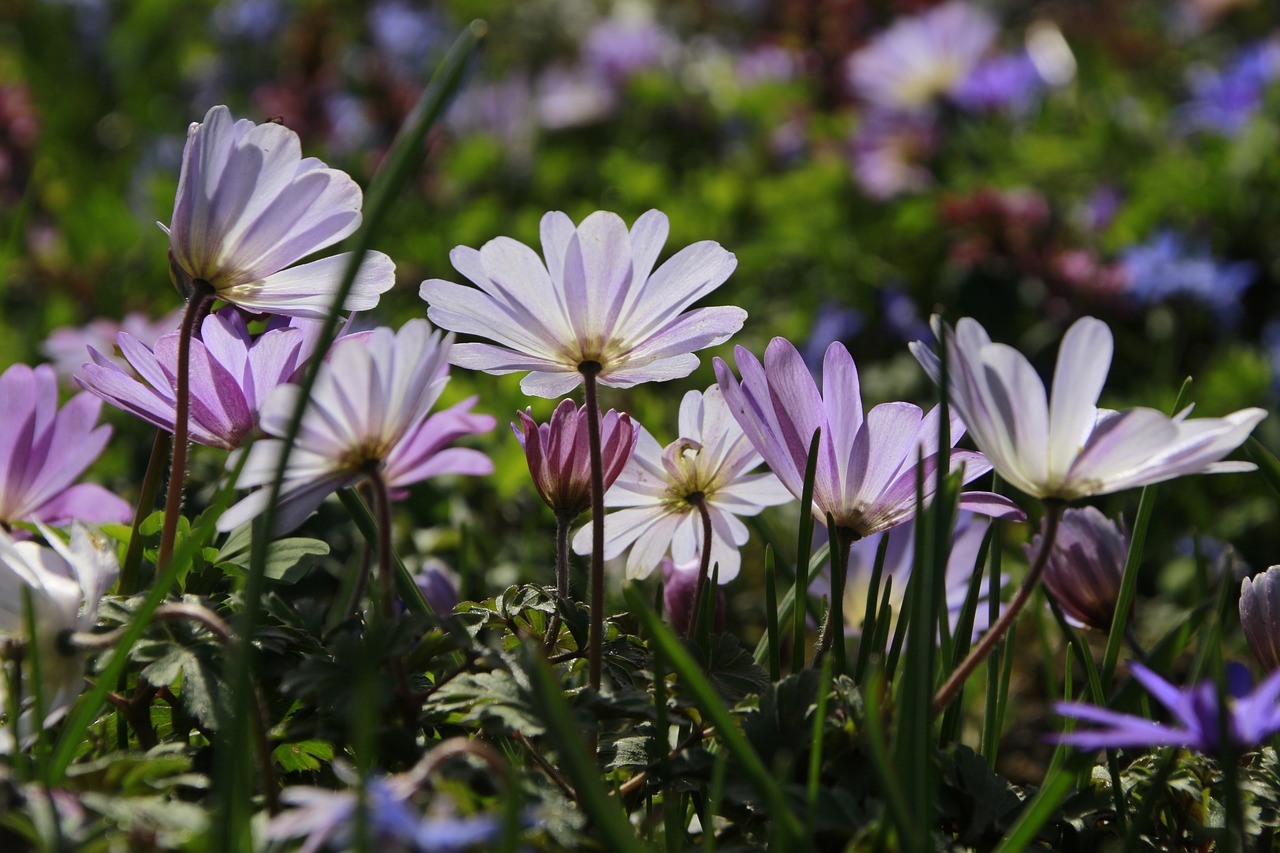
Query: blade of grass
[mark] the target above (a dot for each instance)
(803, 544)
(771, 616)
(869, 625)
(883, 766)
(950, 729)
(1268, 464)
(1056, 788)
(815, 747)
(787, 607)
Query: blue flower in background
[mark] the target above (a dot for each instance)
(406, 34)
(901, 316)
(1165, 267)
(1008, 82)
(834, 323)
(1271, 346)
(1226, 100)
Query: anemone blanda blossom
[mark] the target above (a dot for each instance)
(231, 375)
(558, 456)
(44, 449)
(67, 347)
(249, 205)
(66, 584)
(659, 492)
(1260, 616)
(1065, 447)
(596, 304)
(369, 412)
(1085, 566)
(1254, 715)
(922, 58)
(866, 474)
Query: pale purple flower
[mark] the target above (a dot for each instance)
(659, 491)
(572, 97)
(1008, 82)
(888, 153)
(1085, 566)
(249, 205)
(1253, 716)
(369, 411)
(44, 449)
(1226, 100)
(1260, 616)
(767, 63)
(1064, 446)
(680, 587)
(620, 47)
(597, 303)
(68, 346)
(231, 375)
(922, 58)
(559, 459)
(866, 474)
(439, 586)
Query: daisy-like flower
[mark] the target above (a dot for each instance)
(66, 583)
(1065, 447)
(1253, 715)
(1260, 616)
(597, 305)
(662, 492)
(866, 475)
(559, 460)
(231, 375)
(249, 205)
(367, 414)
(922, 58)
(44, 449)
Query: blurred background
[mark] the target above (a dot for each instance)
(1025, 163)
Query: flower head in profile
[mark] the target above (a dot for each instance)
(44, 449)
(369, 413)
(922, 58)
(1260, 616)
(249, 205)
(1253, 715)
(558, 456)
(866, 474)
(231, 375)
(661, 493)
(1064, 446)
(597, 304)
(1085, 566)
(66, 583)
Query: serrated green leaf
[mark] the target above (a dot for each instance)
(303, 756)
(202, 689)
(287, 559)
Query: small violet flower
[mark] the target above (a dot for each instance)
(596, 305)
(559, 460)
(249, 205)
(44, 449)
(1225, 101)
(1166, 267)
(1065, 447)
(1009, 82)
(1253, 715)
(231, 375)
(1085, 566)
(368, 413)
(866, 474)
(1260, 616)
(662, 491)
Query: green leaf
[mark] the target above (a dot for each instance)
(287, 559)
(732, 669)
(202, 690)
(303, 756)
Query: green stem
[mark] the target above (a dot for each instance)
(128, 583)
(595, 643)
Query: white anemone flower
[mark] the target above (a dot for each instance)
(1063, 446)
(660, 490)
(249, 205)
(596, 305)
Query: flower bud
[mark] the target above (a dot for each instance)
(1084, 569)
(680, 585)
(559, 457)
(1260, 616)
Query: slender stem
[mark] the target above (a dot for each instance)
(201, 296)
(563, 523)
(146, 503)
(833, 629)
(382, 511)
(1052, 515)
(589, 370)
(704, 568)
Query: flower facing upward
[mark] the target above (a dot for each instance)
(1084, 568)
(558, 458)
(1254, 715)
(866, 475)
(231, 375)
(597, 304)
(43, 450)
(661, 488)
(1260, 616)
(249, 205)
(368, 413)
(1065, 447)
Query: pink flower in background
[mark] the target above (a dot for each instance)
(68, 347)
(558, 458)
(597, 303)
(1064, 446)
(660, 489)
(231, 375)
(44, 449)
(369, 412)
(249, 205)
(866, 474)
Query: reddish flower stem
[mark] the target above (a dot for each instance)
(704, 568)
(595, 643)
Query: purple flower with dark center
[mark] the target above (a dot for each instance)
(1253, 716)
(231, 375)
(68, 347)
(1260, 616)
(1166, 267)
(1085, 565)
(44, 450)
(369, 412)
(1226, 101)
(1009, 82)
